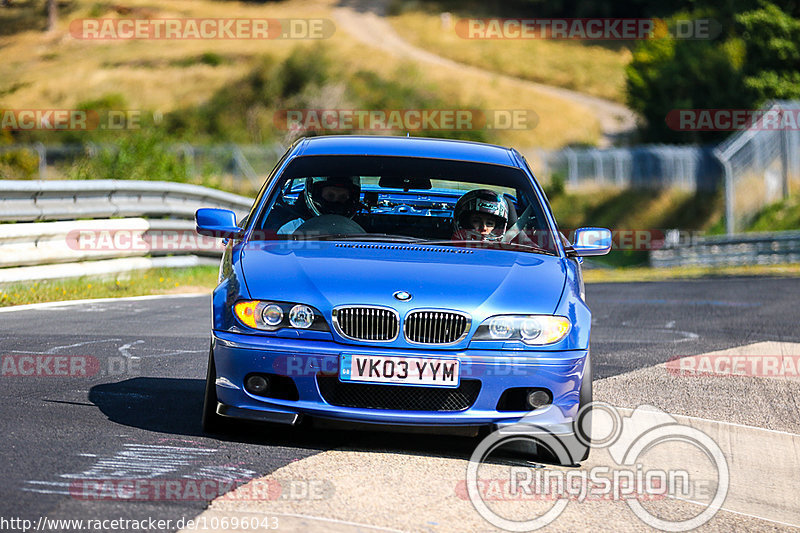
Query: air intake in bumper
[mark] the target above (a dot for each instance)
(398, 397)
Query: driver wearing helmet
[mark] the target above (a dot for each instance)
(335, 195)
(480, 215)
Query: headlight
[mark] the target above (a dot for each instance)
(301, 316)
(501, 327)
(530, 328)
(271, 316)
(534, 330)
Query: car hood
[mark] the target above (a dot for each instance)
(478, 281)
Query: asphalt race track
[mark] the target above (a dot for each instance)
(136, 416)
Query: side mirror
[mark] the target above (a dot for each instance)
(218, 223)
(592, 241)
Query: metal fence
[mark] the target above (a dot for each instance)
(685, 167)
(689, 168)
(723, 250)
(242, 164)
(761, 164)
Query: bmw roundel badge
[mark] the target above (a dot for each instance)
(403, 296)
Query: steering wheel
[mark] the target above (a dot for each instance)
(326, 224)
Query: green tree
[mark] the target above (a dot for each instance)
(755, 59)
(667, 74)
(772, 50)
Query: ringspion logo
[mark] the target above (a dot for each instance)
(632, 476)
(600, 483)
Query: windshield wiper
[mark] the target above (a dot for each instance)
(495, 245)
(366, 237)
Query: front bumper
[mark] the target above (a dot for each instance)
(237, 355)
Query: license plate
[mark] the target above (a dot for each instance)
(401, 370)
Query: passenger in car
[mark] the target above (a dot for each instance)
(480, 215)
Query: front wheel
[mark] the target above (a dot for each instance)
(573, 449)
(564, 450)
(211, 421)
(579, 446)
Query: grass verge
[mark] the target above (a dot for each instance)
(587, 68)
(619, 275)
(204, 278)
(135, 283)
(630, 210)
(780, 216)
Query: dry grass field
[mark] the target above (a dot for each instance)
(43, 70)
(593, 69)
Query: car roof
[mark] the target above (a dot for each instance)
(408, 147)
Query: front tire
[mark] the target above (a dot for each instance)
(582, 425)
(575, 448)
(564, 450)
(211, 421)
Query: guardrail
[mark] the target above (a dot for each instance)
(49, 241)
(245, 164)
(741, 249)
(24, 201)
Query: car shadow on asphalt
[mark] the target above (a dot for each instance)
(174, 406)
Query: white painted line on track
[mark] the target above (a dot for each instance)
(42, 491)
(750, 492)
(711, 420)
(125, 349)
(64, 303)
(796, 526)
(54, 349)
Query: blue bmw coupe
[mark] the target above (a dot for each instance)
(403, 282)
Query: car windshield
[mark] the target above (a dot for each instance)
(405, 199)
